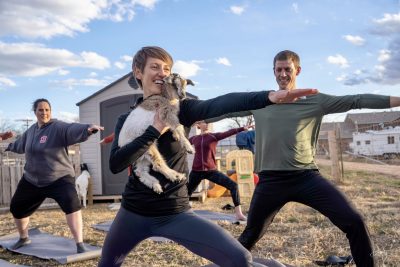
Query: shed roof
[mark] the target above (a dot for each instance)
(373, 117)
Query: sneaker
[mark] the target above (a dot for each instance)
(80, 248)
(21, 242)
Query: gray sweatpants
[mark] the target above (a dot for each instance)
(198, 235)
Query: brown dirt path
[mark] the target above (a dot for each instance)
(358, 166)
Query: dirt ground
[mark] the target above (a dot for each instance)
(298, 236)
(359, 166)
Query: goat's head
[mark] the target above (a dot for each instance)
(84, 167)
(175, 86)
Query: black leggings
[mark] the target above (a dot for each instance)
(216, 177)
(308, 187)
(197, 234)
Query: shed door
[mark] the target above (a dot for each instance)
(110, 110)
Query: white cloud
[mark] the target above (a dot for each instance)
(338, 60)
(120, 65)
(71, 83)
(389, 24)
(223, 61)
(354, 39)
(186, 69)
(126, 58)
(7, 82)
(93, 74)
(68, 116)
(48, 18)
(237, 10)
(63, 72)
(33, 59)
(384, 55)
(295, 7)
(387, 69)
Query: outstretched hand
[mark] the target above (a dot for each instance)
(95, 128)
(107, 139)
(6, 135)
(289, 96)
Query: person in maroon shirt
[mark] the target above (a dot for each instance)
(204, 166)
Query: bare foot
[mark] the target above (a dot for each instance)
(240, 217)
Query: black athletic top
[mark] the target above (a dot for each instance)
(174, 199)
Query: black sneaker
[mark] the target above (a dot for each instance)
(21, 242)
(80, 248)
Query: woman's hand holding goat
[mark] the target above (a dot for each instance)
(159, 124)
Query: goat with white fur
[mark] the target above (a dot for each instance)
(142, 116)
(82, 183)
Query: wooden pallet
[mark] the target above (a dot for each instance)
(200, 196)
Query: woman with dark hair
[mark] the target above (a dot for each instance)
(48, 171)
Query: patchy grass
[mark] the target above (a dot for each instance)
(298, 235)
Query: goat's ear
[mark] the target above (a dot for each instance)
(189, 82)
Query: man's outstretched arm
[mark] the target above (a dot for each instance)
(394, 101)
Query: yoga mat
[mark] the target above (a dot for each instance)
(47, 246)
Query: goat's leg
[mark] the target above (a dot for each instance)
(142, 171)
(181, 137)
(159, 165)
(78, 192)
(84, 200)
(178, 131)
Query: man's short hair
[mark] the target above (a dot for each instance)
(141, 56)
(287, 55)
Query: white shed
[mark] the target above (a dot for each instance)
(103, 108)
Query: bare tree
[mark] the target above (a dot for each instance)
(241, 121)
(8, 125)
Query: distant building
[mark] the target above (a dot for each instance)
(382, 144)
(356, 122)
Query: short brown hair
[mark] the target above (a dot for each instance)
(288, 55)
(141, 56)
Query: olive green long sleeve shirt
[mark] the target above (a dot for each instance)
(287, 134)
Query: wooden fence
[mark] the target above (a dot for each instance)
(9, 178)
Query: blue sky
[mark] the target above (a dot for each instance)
(67, 50)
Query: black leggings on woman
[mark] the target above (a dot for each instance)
(276, 188)
(216, 177)
(198, 235)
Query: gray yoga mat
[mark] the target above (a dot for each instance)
(218, 216)
(266, 262)
(47, 246)
(4, 263)
(105, 227)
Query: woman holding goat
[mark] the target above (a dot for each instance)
(144, 212)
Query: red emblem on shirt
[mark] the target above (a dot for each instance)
(43, 139)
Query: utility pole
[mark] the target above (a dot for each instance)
(27, 121)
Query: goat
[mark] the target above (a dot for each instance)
(82, 183)
(174, 89)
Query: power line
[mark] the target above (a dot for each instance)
(27, 121)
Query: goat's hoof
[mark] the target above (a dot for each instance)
(180, 176)
(157, 188)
